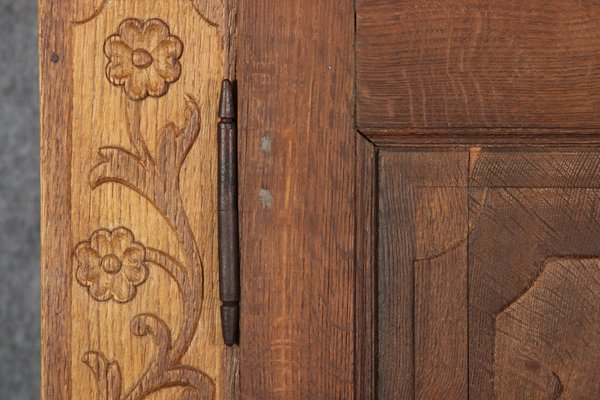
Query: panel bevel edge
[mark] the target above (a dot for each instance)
(481, 136)
(366, 275)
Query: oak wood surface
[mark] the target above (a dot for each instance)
(55, 178)
(532, 265)
(129, 110)
(502, 292)
(494, 79)
(422, 270)
(535, 360)
(492, 137)
(477, 63)
(367, 272)
(365, 341)
(297, 148)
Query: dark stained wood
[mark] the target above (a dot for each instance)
(482, 137)
(55, 113)
(422, 271)
(535, 168)
(297, 159)
(546, 343)
(478, 63)
(533, 271)
(520, 314)
(395, 286)
(366, 253)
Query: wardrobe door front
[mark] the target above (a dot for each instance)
(478, 197)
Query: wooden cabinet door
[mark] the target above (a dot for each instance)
(487, 273)
(418, 193)
(479, 199)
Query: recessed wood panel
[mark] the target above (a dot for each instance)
(422, 271)
(478, 63)
(366, 286)
(533, 266)
(487, 274)
(546, 342)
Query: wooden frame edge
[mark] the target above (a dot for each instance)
(55, 160)
(365, 328)
(474, 136)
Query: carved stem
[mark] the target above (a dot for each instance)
(192, 295)
(159, 184)
(182, 376)
(170, 204)
(166, 198)
(193, 288)
(168, 264)
(134, 118)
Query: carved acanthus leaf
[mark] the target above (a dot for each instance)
(107, 373)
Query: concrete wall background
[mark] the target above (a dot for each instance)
(19, 202)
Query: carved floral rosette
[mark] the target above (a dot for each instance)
(143, 58)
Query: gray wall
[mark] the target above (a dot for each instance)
(19, 201)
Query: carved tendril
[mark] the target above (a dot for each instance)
(158, 182)
(143, 59)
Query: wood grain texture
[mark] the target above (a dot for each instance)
(532, 269)
(422, 270)
(365, 336)
(519, 315)
(535, 168)
(297, 147)
(478, 63)
(56, 93)
(129, 159)
(546, 341)
(490, 137)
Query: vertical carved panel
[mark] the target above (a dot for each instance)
(144, 310)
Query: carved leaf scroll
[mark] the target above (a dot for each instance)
(86, 10)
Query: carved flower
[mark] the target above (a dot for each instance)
(143, 57)
(111, 264)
